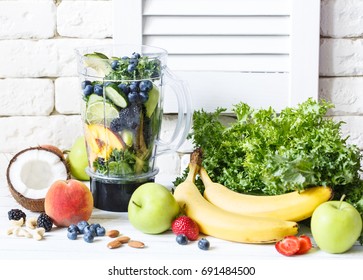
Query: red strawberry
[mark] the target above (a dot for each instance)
(185, 225)
(288, 246)
(292, 245)
(305, 244)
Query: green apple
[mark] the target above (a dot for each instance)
(336, 226)
(78, 160)
(152, 208)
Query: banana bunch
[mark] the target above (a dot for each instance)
(294, 206)
(217, 222)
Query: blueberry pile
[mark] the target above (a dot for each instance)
(89, 231)
(135, 67)
(137, 91)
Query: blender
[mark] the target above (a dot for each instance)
(122, 93)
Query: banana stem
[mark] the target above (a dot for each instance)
(204, 176)
(193, 171)
(194, 164)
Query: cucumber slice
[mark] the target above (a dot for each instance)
(99, 62)
(116, 96)
(94, 98)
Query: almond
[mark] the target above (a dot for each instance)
(114, 244)
(136, 244)
(113, 233)
(123, 239)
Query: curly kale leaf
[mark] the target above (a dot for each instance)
(266, 152)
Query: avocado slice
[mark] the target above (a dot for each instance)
(153, 101)
(99, 62)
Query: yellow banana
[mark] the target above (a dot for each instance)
(294, 206)
(222, 224)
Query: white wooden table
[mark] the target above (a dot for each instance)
(163, 247)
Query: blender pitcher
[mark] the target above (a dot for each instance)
(122, 93)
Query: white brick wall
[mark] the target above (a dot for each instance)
(341, 63)
(40, 102)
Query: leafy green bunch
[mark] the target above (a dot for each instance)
(265, 152)
(145, 68)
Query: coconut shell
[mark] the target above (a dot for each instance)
(34, 205)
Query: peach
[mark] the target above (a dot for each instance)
(101, 141)
(68, 202)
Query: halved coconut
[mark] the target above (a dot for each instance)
(31, 172)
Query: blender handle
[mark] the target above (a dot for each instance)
(184, 120)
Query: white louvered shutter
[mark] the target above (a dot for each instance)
(263, 52)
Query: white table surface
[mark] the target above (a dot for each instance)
(56, 245)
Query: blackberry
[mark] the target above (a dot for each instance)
(130, 116)
(45, 222)
(16, 214)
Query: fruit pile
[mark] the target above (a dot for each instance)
(188, 230)
(237, 217)
(121, 113)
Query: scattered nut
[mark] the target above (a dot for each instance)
(113, 233)
(23, 232)
(123, 239)
(31, 223)
(114, 244)
(39, 233)
(13, 230)
(136, 244)
(19, 222)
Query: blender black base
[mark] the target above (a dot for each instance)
(113, 196)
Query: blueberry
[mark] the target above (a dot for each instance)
(125, 58)
(73, 227)
(72, 235)
(98, 89)
(81, 225)
(88, 237)
(135, 55)
(114, 64)
(100, 231)
(144, 96)
(146, 85)
(181, 239)
(101, 161)
(89, 230)
(124, 88)
(85, 83)
(134, 61)
(88, 90)
(134, 97)
(134, 86)
(131, 67)
(93, 228)
(203, 244)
